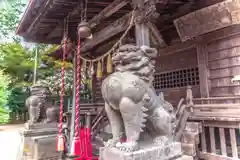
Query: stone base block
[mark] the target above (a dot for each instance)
(41, 126)
(39, 144)
(185, 158)
(171, 151)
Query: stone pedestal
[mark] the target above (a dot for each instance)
(151, 152)
(39, 142)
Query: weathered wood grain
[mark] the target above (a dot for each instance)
(107, 12)
(181, 60)
(225, 72)
(161, 42)
(223, 44)
(224, 54)
(225, 91)
(208, 19)
(111, 30)
(203, 70)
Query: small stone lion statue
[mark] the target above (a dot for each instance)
(131, 102)
(40, 106)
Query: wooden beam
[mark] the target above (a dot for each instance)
(208, 19)
(155, 32)
(42, 11)
(111, 30)
(107, 12)
(203, 70)
(177, 48)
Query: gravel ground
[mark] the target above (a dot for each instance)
(9, 141)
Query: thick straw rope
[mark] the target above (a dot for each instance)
(116, 44)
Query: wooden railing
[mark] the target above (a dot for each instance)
(220, 140)
(220, 118)
(216, 108)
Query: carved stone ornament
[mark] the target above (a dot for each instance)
(132, 105)
(146, 12)
(41, 108)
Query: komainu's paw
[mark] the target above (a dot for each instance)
(111, 143)
(127, 146)
(160, 140)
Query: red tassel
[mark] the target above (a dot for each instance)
(123, 139)
(88, 143)
(82, 139)
(76, 148)
(60, 144)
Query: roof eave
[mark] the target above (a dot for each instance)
(20, 28)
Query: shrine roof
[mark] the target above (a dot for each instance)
(43, 21)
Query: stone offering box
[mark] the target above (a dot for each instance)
(39, 142)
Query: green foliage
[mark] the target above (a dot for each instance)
(4, 84)
(4, 115)
(16, 62)
(9, 18)
(54, 82)
(16, 99)
(4, 93)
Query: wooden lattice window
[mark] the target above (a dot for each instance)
(178, 78)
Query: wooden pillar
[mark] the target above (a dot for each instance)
(142, 34)
(141, 28)
(203, 69)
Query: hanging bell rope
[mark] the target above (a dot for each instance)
(60, 145)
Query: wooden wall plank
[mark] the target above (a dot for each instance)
(225, 72)
(225, 43)
(224, 54)
(221, 82)
(224, 63)
(225, 91)
(181, 60)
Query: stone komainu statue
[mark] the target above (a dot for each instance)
(40, 105)
(131, 103)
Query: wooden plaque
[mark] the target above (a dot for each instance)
(208, 19)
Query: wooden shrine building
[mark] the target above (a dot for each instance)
(198, 44)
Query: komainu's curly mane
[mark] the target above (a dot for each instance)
(136, 60)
